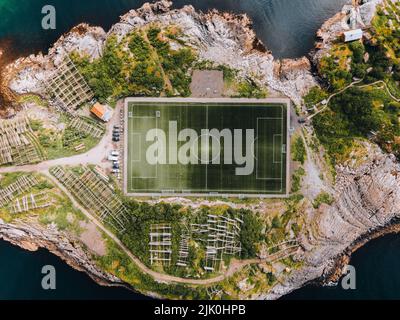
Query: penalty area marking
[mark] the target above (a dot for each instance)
(133, 161)
(273, 149)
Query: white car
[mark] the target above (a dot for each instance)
(114, 153)
(113, 158)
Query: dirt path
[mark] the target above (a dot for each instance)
(97, 156)
(348, 87)
(333, 95)
(235, 265)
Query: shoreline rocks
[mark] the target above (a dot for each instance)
(31, 236)
(368, 196)
(223, 38)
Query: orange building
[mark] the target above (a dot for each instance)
(102, 112)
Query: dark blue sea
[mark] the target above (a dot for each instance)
(287, 27)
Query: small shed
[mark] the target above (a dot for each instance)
(353, 35)
(102, 112)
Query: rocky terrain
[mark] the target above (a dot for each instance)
(219, 37)
(367, 202)
(31, 236)
(335, 26)
(367, 197)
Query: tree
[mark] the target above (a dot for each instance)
(358, 50)
(357, 106)
(250, 234)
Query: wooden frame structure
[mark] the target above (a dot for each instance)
(95, 195)
(21, 185)
(183, 254)
(91, 129)
(69, 87)
(221, 235)
(17, 142)
(31, 202)
(160, 244)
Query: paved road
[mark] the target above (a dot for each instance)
(97, 155)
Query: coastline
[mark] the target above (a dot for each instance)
(282, 69)
(345, 258)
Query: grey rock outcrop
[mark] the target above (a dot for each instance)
(368, 199)
(219, 37)
(31, 236)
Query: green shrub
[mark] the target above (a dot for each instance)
(296, 179)
(139, 47)
(358, 50)
(323, 197)
(314, 96)
(250, 234)
(298, 150)
(249, 89)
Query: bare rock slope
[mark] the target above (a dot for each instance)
(219, 37)
(368, 200)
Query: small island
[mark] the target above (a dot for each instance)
(117, 151)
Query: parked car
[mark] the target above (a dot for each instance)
(113, 158)
(115, 171)
(115, 139)
(114, 153)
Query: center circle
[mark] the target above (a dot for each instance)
(211, 144)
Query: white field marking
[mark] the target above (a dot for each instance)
(201, 192)
(133, 161)
(139, 144)
(273, 146)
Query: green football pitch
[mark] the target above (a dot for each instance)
(206, 148)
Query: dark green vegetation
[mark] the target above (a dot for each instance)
(314, 96)
(143, 215)
(298, 150)
(141, 64)
(369, 108)
(268, 175)
(251, 234)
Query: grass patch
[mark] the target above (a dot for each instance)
(299, 152)
(323, 197)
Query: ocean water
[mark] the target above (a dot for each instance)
(21, 277)
(287, 27)
(377, 267)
